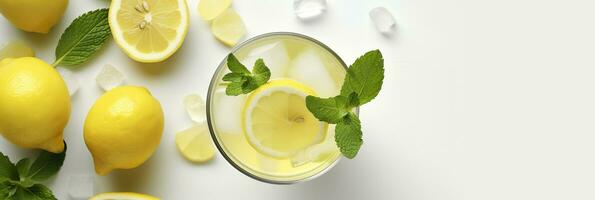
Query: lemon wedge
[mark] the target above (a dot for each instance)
(209, 9)
(123, 196)
(228, 27)
(195, 143)
(149, 30)
(276, 121)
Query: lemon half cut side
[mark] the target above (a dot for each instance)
(277, 122)
(149, 30)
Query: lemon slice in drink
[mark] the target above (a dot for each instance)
(149, 30)
(276, 121)
(123, 196)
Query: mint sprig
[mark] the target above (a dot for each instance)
(83, 38)
(22, 181)
(241, 80)
(362, 84)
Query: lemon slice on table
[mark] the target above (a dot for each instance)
(195, 143)
(228, 27)
(209, 9)
(123, 196)
(276, 121)
(149, 30)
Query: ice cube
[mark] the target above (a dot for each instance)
(196, 108)
(274, 56)
(109, 77)
(309, 68)
(16, 49)
(81, 187)
(268, 164)
(72, 83)
(309, 9)
(313, 153)
(383, 20)
(228, 112)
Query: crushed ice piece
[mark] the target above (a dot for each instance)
(228, 111)
(16, 49)
(196, 108)
(309, 68)
(309, 9)
(72, 83)
(274, 55)
(268, 164)
(313, 153)
(383, 20)
(81, 187)
(109, 77)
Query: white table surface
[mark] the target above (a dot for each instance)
(481, 100)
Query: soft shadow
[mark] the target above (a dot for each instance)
(38, 41)
(131, 180)
(164, 67)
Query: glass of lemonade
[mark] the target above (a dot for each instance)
(269, 134)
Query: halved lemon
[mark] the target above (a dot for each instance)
(277, 122)
(123, 196)
(149, 30)
(195, 143)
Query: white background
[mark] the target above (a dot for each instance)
(481, 100)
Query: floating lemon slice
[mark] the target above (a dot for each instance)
(195, 143)
(123, 196)
(276, 121)
(149, 30)
(228, 27)
(209, 9)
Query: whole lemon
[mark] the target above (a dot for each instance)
(33, 15)
(34, 104)
(123, 128)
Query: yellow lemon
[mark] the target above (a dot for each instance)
(34, 104)
(149, 30)
(33, 15)
(277, 122)
(123, 128)
(123, 196)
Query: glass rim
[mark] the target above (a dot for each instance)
(210, 92)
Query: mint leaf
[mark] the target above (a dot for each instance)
(353, 100)
(364, 77)
(235, 66)
(8, 170)
(234, 89)
(241, 80)
(23, 166)
(35, 192)
(261, 72)
(331, 110)
(83, 37)
(45, 166)
(7, 190)
(348, 135)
